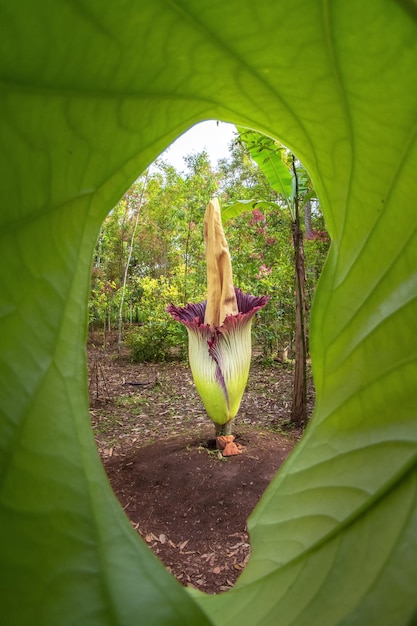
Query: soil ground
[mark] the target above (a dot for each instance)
(188, 502)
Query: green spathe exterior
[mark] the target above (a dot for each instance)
(220, 355)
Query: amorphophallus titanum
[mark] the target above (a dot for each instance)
(219, 334)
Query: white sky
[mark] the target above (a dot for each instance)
(210, 136)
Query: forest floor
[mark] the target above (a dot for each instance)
(188, 502)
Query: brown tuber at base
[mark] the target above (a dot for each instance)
(227, 445)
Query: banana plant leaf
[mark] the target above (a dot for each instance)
(267, 153)
(234, 209)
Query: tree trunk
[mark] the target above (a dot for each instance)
(126, 270)
(187, 249)
(299, 406)
(307, 220)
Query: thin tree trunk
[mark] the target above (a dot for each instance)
(187, 249)
(299, 406)
(129, 257)
(307, 219)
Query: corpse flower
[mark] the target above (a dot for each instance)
(219, 334)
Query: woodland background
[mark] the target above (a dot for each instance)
(150, 252)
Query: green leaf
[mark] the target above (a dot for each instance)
(91, 92)
(234, 209)
(268, 155)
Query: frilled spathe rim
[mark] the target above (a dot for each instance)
(192, 315)
(220, 355)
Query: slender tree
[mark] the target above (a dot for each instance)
(299, 404)
(135, 216)
(293, 185)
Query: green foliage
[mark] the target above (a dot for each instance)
(259, 237)
(168, 241)
(157, 341)
(159, 337)
(238, 207)
(91, 93)
(276, 332)
(262, 253)
(277, 165)
(272, 159)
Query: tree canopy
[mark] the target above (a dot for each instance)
(167, 257)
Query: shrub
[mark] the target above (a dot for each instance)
(159, 338)
(158, 341)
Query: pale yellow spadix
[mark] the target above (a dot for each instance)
(221, 297)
